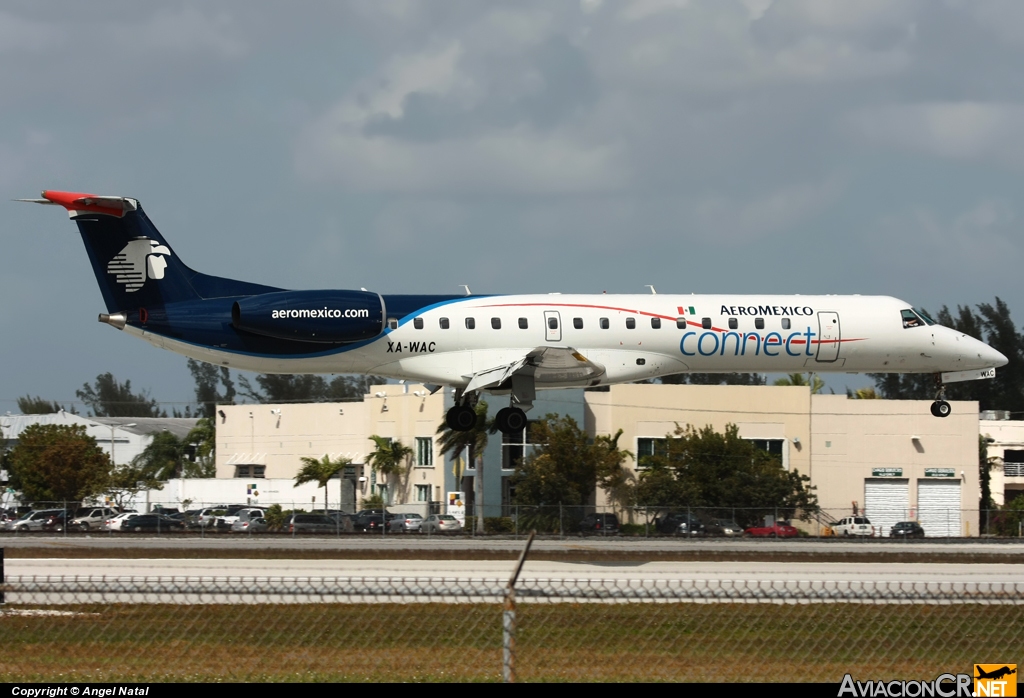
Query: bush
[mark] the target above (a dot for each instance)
(499, 524)
(628, 529)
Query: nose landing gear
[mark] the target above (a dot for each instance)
(941, 408)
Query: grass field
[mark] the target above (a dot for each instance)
(462, 642)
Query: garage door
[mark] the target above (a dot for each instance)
(886, 502)
(938, 503)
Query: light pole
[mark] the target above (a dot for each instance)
(112, 427)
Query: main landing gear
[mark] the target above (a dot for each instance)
(941, 408)
(463, 417)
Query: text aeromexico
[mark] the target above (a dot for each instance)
(319, 313)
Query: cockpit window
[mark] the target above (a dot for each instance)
(910, 319)
(924, 316)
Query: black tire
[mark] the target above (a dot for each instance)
(515, 421)
(463, 418)
(137, 529)
(942, 408)
(501, 420)
(772, 535)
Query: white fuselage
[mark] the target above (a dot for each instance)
(633, 337)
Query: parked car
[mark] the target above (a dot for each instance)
(32, 520)
(346, 521)
(310, 523)
(440, 523)
(89, 518)
(207, 518)
(403, 523)
(55, 523)
(369, 522)
(780, 529)
(854, 526)
(251, 525)
(114, 523)
(906, 529)
(152, 523)
(679, 523)
(600, 524)
(723, 527)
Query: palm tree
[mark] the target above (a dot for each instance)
(474, 441)
(388, 458)
(320, 471)
(816, 385)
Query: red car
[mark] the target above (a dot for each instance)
(778, 530)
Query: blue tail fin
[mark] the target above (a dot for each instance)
(134, 265)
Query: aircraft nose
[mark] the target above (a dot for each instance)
(986, 355)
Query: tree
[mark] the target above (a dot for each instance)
(207, 377)
(862, 394)
(320, 471)
(985, 463)
(705, 468)
(201, 443)
(128, 480)
(567, 466)
(57, 462)
(389, 457)
(473, 442)
(816, 384)
(287, 387)
(108, 398)
(161, 459)
(37, 405)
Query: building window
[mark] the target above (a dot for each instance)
(250, 471)
(631, 323)
(418, 323)
(577, 323)
(649, 447)
(513, 447)
(655, 323)
(775, 447)
(603, 322)
(471, 323)
(733, 323)
(443, 322)
(495, 323)
(422, 493)
(523, 324)
(424, 451)
(759, 323)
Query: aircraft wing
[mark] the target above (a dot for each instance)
(545, 364)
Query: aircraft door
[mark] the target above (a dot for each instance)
(552, 326)
(828, 337)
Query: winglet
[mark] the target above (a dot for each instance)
(77, 203)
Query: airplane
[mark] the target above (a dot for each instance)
(502, 344)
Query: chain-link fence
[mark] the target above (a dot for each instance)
(441, 629)
(203, 519)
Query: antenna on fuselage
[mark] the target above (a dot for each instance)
(468, 292)
(653, 292)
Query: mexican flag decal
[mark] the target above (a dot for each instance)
(686, 311)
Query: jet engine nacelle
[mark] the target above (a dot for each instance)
(311, 316)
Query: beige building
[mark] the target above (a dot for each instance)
(1006, 445)
(269, 441)
(889, 459)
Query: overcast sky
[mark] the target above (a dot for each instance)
(870, 147)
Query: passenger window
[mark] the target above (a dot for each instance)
(393, 323)
(630, 323)
(785, 323)
(418, 323)
(552, 323)
(443, 322)
(523, 324)
(706, 323)
(470, 323)
(759, 323)
(604, 323)
(733, 323)
(910, 319)
(680, 323)
(577, 323)
(495, 323)
(655, 323)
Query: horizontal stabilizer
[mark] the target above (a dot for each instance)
(960, 376)
(78, 203)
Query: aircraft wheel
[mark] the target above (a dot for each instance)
(515, 421)
(460, 418)
(941, 408)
